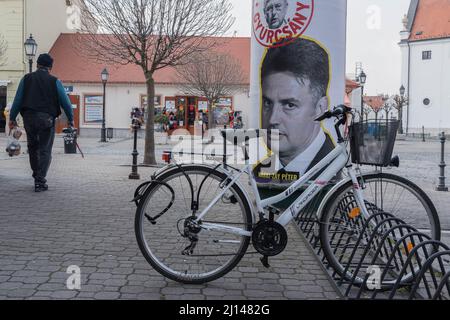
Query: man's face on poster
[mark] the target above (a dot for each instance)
(275, 12)
(289, 106)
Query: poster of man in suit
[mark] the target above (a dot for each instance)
(298, 73)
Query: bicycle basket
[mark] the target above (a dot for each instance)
(372, 142)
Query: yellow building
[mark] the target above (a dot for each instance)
(45, 20)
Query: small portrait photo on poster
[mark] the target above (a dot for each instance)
(275, 12)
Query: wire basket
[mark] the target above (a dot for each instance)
(372, 142)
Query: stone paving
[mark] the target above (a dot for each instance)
(86, 219)
(419, 163)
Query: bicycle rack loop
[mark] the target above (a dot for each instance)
(410, 265)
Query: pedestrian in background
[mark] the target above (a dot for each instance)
(39, 99)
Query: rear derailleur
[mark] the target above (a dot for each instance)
(191, 229)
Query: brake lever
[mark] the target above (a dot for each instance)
(324, 116)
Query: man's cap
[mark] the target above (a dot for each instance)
(45, 60)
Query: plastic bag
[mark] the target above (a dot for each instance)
(13, 147)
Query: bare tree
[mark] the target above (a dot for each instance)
(389, 105)
(152, 34)
(213, 76)
(3, 48)
(366, 111)
(400, 103)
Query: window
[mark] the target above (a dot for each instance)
(158, 107)
(222, 111)
(93, 108)
(426, 55)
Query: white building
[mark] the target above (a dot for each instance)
(425, 46)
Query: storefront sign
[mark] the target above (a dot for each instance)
(170, 105)
(68, 89)
(202, 105)
(298, 72)
(93, 108)
(93, 113)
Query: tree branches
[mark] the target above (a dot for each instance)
(211, 75)
(153, 34)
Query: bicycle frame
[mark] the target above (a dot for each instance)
(336, 161)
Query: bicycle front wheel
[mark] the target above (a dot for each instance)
(168, 240)
(345, 240)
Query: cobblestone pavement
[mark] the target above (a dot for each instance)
(419, 163)
(86, 219)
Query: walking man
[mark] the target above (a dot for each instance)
(39, 99)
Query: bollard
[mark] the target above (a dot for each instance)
(442, 186)
(134, 168)
(225, 147)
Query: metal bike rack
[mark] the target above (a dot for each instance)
(410, 265)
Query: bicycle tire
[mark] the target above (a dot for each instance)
(330, 249)
(161, 265)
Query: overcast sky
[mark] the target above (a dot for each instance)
(373, 28)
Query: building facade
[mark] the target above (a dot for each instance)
(45, 20)
(425, 46)
(126, 90)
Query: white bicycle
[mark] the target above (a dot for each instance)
(194, 223)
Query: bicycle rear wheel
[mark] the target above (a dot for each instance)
(342, 226)
(171, 245)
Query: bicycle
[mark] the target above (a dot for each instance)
(194, 223)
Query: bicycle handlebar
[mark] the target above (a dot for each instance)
(337, 111)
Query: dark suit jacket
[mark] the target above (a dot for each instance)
(285, 177)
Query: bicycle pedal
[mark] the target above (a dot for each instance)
(265, 262)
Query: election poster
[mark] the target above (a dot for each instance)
(297, 73)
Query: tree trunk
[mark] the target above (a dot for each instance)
(149, 153)
(211, 122)
(400, 118)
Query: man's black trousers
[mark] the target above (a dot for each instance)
(40, 128)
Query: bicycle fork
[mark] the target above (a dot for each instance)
(358, 191)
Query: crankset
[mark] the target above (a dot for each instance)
(269, 238)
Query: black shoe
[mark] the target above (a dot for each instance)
(40, 187)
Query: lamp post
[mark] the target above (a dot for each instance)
(400, 108)
(362, 80)
(105, 77)
(30, 46)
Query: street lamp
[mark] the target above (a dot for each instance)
(30, 46)
(362, 80)
(105, 77)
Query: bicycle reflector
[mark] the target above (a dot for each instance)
(167, 156)
(355, 212)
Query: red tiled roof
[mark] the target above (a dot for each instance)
(72, 66)
(432, 20)
(375, 102)
(350, 85)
